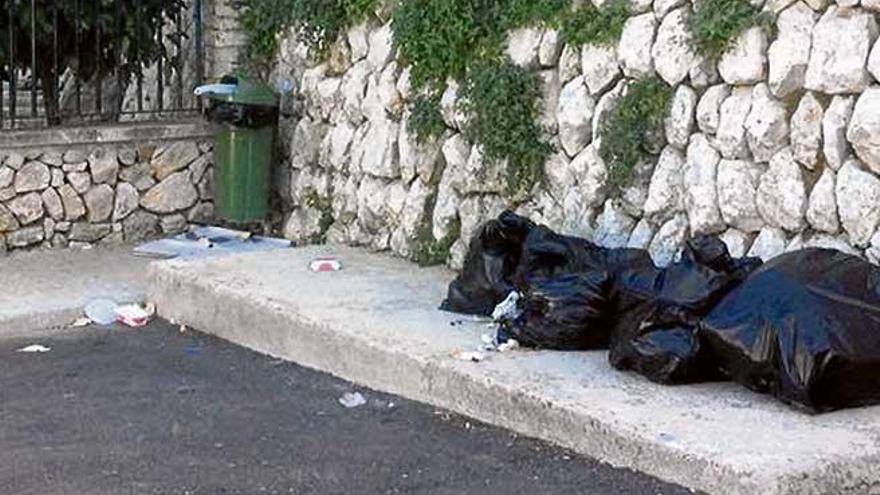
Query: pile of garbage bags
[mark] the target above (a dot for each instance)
(804, 327)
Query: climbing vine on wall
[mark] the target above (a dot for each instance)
(463, 40)
(633, 127)
(589, 24)
(317, 22)
(502, 104)
(716, 24)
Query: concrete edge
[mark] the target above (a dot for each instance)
(105, 134)
(38, 324)
(187, 298)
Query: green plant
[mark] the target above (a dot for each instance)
(715, 24)
(426, 119)
(631, 127)
(464, 40)
(517, 13)
(437, 38)
(324, 205)
(431, 252)
(502, 101)
(317, 22)
(599, 26)
(440, 39)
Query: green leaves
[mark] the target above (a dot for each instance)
(502, 101)
(324, 205)
(464, 40)
(318, 22)
(426, 119)
(631, 128)
(429, 252)
(262, 20)
(716, 24)
(438, 38)
(599, 26)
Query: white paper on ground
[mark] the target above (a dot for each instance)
(35, 348)
(209, 241)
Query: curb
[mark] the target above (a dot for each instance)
(225, 298)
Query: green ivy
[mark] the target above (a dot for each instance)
(425, 118)
(503, 104)
(716, 24)
(590, 25)
(324, 205)
(430, 252)
(318, 22)
(437, 38)
(262, 20)
(631, 127)
(518, 13)
(464, 40)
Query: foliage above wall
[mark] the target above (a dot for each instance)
(317, 22)
(632, 129)
(589, 24)
(425, 117)
(440, 39)
(716, 24)
(443, 40)
(502, 104)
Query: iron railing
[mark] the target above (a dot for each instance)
(66, 62)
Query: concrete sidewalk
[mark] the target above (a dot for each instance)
(376, 323)
(45, 289)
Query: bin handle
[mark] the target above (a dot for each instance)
(216, 89)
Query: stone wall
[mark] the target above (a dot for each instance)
(774, 147)
(224, 40)
(110, 185)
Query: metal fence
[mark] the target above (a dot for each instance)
(68, 62)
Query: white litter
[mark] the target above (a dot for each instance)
(135, 315)
(472, 356)
(352, 399)
(510, 345)
(508, 309)
(209, 241)
(101, 311)
(81, 322)
(35, 348)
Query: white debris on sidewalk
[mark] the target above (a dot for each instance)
(352, 399)
(35, 348)
(473, 356)
(508, 309)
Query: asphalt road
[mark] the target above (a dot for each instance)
(157, 411)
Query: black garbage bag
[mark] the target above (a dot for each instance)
(547, 254)
(564, 312)
(489, 267)
(805, 328)
(658, 312)
(670, 353)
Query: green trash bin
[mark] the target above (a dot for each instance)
(244, 147)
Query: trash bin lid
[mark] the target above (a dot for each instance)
(249, 92)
